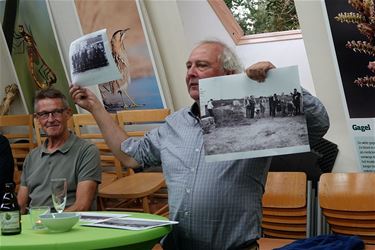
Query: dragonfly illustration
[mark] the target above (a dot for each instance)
(41, 73)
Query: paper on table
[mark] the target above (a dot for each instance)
(96, 217)
(91, 60)
(131, 223)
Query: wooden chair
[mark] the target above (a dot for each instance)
(136, 123)
(40, 136)
(128, 190)
(140, 186)
(86, 127)
(347, 201)
(285, 210)
(19, 131)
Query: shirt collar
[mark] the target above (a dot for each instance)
(63, 149)
(195, 112)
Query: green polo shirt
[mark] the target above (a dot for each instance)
(77, 160)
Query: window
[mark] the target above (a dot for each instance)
(254, 22)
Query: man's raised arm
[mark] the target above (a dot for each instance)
(113, 134)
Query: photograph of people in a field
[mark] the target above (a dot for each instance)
(242, 118)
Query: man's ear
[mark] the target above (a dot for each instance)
(69, 111)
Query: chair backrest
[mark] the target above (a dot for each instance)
(285, 190)
(347, 201)
(40, 135)
(285, 206)
(347, 191)
(86, 127)
(22, 123)
(19, 131)
(138, 122)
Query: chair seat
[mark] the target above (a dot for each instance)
(285, 219)
(283, 234)
(267, 243)
(356, 215)
(107, 178)
(133, 186)
(284, 227)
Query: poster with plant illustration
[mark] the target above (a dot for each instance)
(34, 49)
(352, 25)
(139, 87)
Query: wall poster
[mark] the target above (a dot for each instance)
(35, 51)
(140, 86)
(351, 24)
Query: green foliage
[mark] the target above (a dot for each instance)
(262, 16)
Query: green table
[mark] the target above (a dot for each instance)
(81, 237)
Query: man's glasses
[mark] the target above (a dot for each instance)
(56, 113)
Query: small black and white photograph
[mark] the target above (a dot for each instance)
(91, 60)
(131, 223)
(90, 54)
(242, 118)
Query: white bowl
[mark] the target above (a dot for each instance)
(60, 222)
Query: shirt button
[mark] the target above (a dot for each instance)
(197, 150)
(186, 213)
(188, 190)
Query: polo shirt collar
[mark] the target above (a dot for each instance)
(63, 149)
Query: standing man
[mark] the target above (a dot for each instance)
(63, 155)
(252, 106)
(218, 204)
(210, 108)
(247, 106)
(297, 101)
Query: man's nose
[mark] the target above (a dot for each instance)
(51, 117)
(192, 71)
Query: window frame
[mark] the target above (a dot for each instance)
(235, 31)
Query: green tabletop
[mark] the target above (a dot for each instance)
(81, 237)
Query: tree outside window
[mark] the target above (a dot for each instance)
(264, 16)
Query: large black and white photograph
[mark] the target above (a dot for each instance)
(242, 118)
(91, 60)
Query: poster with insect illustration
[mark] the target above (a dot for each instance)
(140, 86)
(34, 49)
(352, 25)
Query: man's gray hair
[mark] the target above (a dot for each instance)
(52, 94)
(228, 58)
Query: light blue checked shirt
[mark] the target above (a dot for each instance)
(217, 204)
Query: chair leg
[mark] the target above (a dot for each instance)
(100, 204)
(163, 210)
(145, 205)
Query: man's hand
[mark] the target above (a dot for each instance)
(258, 71)
(84, 98)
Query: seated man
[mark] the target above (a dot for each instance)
(63, 155)
(6, 164)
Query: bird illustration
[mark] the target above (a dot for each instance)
(120, 56)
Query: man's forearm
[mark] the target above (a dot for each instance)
(316, 117)
(113, 135)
